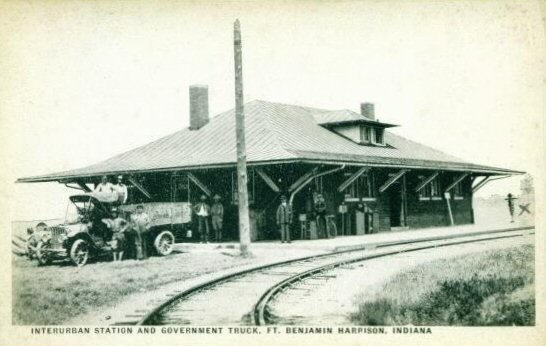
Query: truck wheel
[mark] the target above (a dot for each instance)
(164, 243)
(79, 252)
(41, 254)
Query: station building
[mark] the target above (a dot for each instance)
(372, 180)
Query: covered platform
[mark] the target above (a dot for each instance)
(353, 242)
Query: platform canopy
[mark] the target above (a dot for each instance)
(275, 133)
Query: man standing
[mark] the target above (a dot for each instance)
(284, 219)
(105, 186)
(202, 210)
(320, 212)
(121, 190)
(217, 216)
(141, 224)
(118, 225)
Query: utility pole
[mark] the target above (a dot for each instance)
(244, 219)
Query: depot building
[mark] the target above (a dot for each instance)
(371, 179)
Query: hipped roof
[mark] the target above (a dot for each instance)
(275, 133)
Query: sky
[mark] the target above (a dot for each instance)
(83, 81)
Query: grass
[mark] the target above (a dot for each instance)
(494, 288)
(56, 293)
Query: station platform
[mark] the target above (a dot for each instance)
(341, 243)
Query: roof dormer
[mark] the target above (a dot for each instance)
(360, 128)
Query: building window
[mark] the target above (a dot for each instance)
(378, 136)
(363, 187)
(431, 191)
(365, 134)
(250, 184)
(180, 189)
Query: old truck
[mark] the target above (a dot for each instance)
(82, 234)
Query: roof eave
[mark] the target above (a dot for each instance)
(355, 122)
(67, 178)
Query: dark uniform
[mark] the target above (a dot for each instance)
(284, 219)
(217, 218)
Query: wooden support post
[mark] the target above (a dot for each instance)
(83, 186)
(140, 187)
(392, 180)
(302, 179)
(456, 181)
(309, 179)
(447, 197)
(268, 180)
(479, 185)
(244, 218)
(426, 181)
(198, 182)
(404, 209)
(487, 180)
(352, 178)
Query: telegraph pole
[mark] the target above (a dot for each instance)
(244, 219)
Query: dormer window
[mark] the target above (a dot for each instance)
(372, 135)
(362, 128)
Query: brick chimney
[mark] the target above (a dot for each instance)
(367, 110)
(199, 106)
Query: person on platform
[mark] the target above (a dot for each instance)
(202, 211)
(121, 190)
(105, 186)
(510, 199)
(284, 219)
(141, 224)
(320, 212)
(217, 217)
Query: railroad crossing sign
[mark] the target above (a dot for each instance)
(524, 208)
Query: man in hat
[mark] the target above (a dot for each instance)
(121, 190)
(217, 217)
(284, 219)
(202, 211)
(141, 224)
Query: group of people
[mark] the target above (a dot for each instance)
(285, 215)
(203, 211)
(119, 188)
(129, 236)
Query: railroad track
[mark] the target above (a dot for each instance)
(243, 298)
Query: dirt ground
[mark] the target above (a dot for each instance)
(57, 293)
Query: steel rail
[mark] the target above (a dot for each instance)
(148, 318)
(261, 307)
